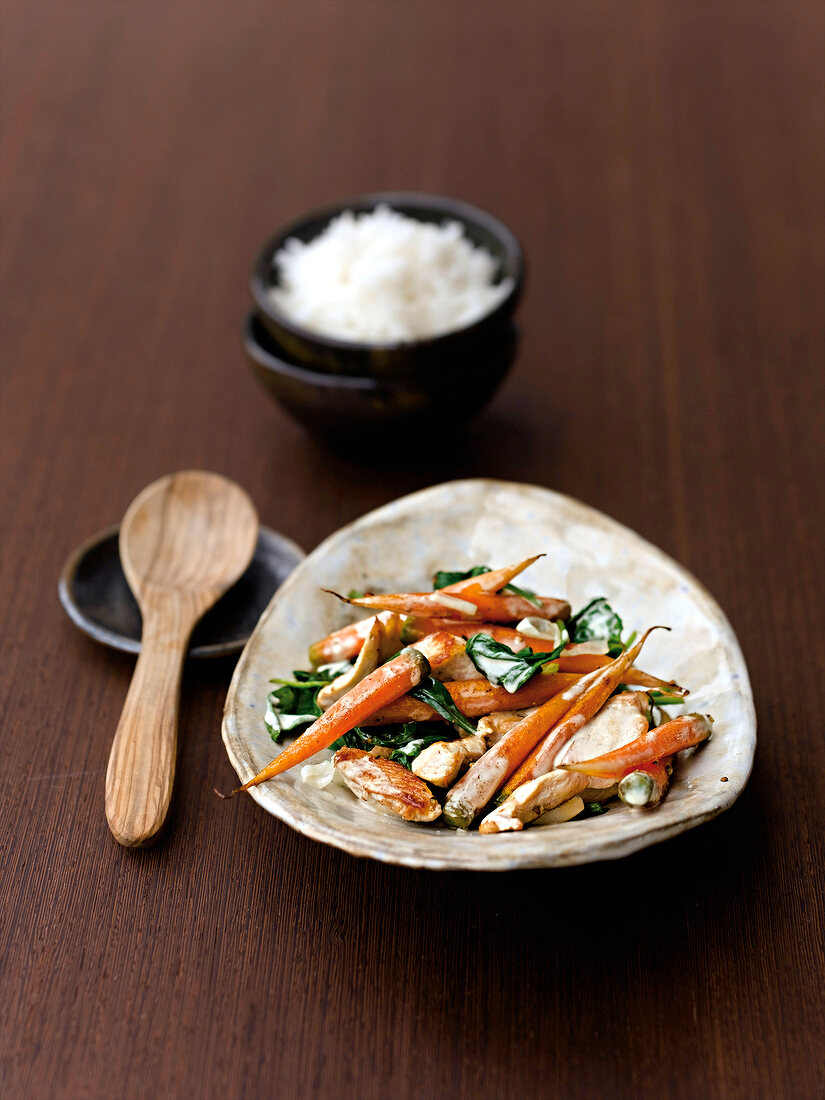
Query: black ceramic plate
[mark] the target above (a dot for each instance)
(96, 597)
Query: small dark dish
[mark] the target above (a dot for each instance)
(352, 410)
(97, 598)
(452, 352)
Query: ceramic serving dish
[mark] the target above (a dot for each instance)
(454, 526)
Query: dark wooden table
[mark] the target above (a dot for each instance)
(663, 164)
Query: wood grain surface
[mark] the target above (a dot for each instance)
(663, 165)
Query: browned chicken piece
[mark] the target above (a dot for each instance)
(459, 667)
(390, 785)
(440, 763)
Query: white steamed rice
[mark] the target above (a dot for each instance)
(384, 278)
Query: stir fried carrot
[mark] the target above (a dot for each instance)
(375, 691)
(475, 698)
(496, 608)
(344, 644)
(599, 685)
(681, 733)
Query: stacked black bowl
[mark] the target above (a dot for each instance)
(354, 391)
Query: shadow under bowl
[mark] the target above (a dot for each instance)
(348, 409)
(97, 598)
(449, 352)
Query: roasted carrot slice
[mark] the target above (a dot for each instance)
(475, 698)
(672, 737)
(556, 721)
(375, 691)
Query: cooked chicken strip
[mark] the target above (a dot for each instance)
(531, 800)
(440, 763)
(389, 784)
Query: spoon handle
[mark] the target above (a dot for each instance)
(141, 768)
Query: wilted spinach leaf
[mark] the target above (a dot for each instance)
(598, 621)
(502, 666)
(406, 740)
(293, 704)
(434, 693)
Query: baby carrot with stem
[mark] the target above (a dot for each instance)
(495, 608)
(556, 722)
(680, 733)
(381, 687)
(345, 643)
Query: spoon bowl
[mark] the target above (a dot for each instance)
(184, 541)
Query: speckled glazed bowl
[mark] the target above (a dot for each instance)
(463, 523)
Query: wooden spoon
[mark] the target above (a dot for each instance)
(184, 541)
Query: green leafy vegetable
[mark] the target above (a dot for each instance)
(434, 693)
(598, 621)
(593, 809)
(502, 666)
(406, 740)
(293, 705)
(444, 578)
